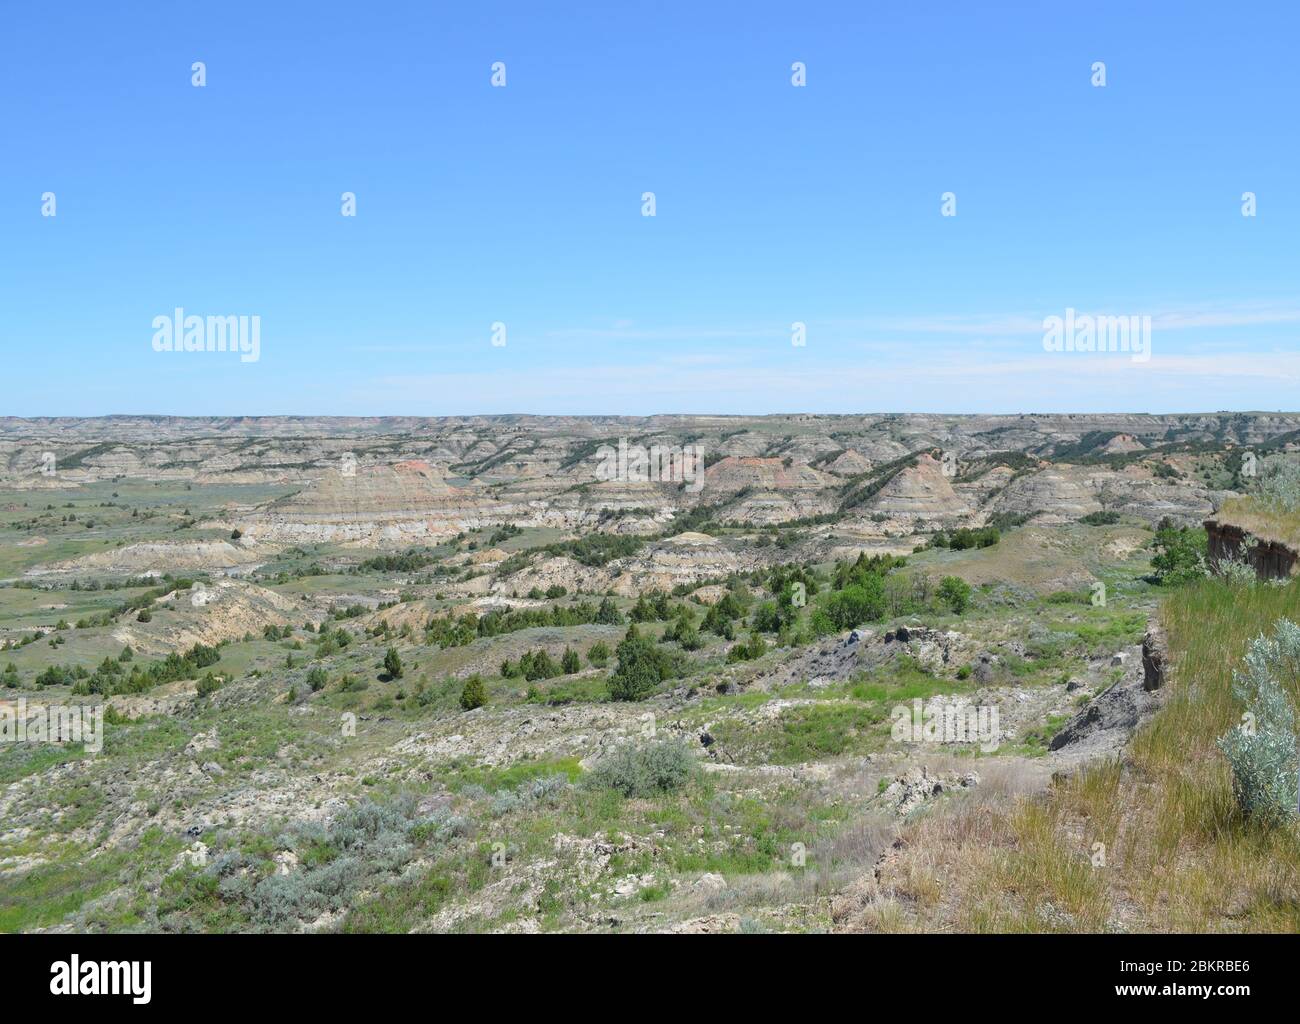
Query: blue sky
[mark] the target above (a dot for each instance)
(774, 204)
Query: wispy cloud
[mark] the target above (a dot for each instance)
(959, 380)
(1163, 317)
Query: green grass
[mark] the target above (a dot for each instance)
(493, 779)
(400, 906)
(47, 894)
(809, 732)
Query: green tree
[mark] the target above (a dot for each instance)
(569, 662)
(1180, 554)
(208, 685)
(857, 603)
(642, 666)
(642, 611)
(538, 665)
(955, 593)
(473, 694)
(768, 617)
(393, 663)
(608, 613)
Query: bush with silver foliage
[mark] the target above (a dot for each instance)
(1262, 751)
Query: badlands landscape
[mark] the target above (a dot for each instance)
(838, 674)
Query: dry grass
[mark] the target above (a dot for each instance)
(1260, 519)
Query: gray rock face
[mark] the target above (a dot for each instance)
(1108, 720)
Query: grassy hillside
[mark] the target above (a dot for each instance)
(1175, 853)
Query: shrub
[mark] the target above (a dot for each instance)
(1180, 554)
(1239, 569)
(1103, 518)
(393, 663)
(642, 666)
(608, 614)
(718, 620)
(569, 662)
(747, 650)
(316, 679)
(208, 685)
(767, 618)
(145, 615)
(1262, 751)
(661, 766)
(536, 665)
(821, 624)
(545, 791)
(955, 593)
(1279, 488)
(598, 654)
(857, 603)
(352, 684)
(473, 694)
(688, 636)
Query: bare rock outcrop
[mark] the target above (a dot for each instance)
(1107, 722)
(1155, 657)
(921, 491)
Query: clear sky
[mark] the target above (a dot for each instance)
(774, 204)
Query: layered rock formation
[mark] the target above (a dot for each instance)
(400, 481)
(922, 492)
